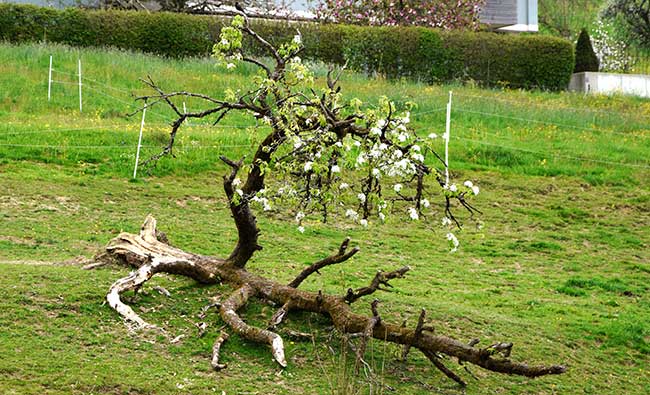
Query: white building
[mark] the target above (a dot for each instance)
(511, 15)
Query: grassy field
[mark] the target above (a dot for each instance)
(561, 267)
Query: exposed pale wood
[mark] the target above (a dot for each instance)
(223, 336)
(279, 315)
(228, 311)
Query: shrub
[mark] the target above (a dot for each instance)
(586, 59)
(521, 61)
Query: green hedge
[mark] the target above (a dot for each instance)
(414, 52)
(174, 35)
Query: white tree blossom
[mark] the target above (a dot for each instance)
(454, 241)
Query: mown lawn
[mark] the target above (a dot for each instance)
(561, 266)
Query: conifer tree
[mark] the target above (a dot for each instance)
(586, 59)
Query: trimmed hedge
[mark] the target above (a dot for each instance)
(414, 52)
(174, 35)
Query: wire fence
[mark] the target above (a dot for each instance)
(529, 104)
(124, 146)
(101, 88)
(557, 155)
(559, 125)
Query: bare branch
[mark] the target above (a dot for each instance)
(149, 81)
(279, 315)
(259, 64)
(228, 311)
(223, 336)
(435, 360)
(131, 282)
(418, 331)
(269, 47)
(144, 250)
(168, 149)
(228, 179)
(381, 278)
(332, 82)
(367, 333)
(341, 256)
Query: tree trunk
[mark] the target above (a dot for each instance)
(149, 256)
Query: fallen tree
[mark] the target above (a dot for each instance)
(328, 157)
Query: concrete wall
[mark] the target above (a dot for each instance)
(609, 83)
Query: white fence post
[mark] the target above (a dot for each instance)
(80, 102)
(49, 81)
(185, 112)
(447, 131)
(137, 154)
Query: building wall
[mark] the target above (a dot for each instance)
(499, 12)
(511, 15)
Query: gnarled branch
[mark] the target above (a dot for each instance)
(228, 311)
(223, 336)
(381, 278)
(367, 333)
(418, 331)
(342, 255)
(279, 315)
(435, 360)
(144, 249)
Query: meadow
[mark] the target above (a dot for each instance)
(561, 266)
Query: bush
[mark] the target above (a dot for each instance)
(419, 53)
(586, 59)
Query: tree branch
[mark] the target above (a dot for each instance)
(140, 250)
(269, 47)
(228, 311)
(223, 336)
(381, 278)
(279, 315)
(367, 333)
(435, 360)
(418, 331)
(341, 256)
(259, 64)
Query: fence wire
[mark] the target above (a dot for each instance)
(98, 87)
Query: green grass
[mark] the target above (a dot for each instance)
(534, 134)
(561, 266)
